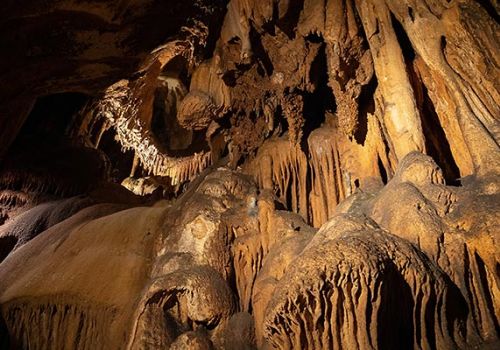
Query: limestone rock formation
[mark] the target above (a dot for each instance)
(242, 174)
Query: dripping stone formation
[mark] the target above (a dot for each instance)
(250, 174)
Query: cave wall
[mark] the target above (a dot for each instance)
(239, 174)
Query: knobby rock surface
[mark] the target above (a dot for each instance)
(250, 174)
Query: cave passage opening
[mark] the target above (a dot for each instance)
(50, 120)
(45, 131)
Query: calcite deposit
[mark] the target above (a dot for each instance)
(250, 174)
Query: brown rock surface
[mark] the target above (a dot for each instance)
(242, 174)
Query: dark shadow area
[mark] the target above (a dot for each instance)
(490, 8)
(383, 172)
(230, 78)
(314, 38)
(43, 159)
(321, 100)
(396, 310)
(4, 335)
(162, 20)
(490, 304)
(411, 14)
(50, 119)
(430, 319)
(3, 214)
(366, 103)
(403, 39)
(178, 67)
(170, 137)
(215, 23)
(444, 43)
(288, 22)
(457, 310)
(7, 243)
(436, 142)
(121, 161)
(260, 54)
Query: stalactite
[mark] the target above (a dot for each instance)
(340, 166)
(293, 109)
(350, 66)
(127, 106)
(40, 325)
(283, 166)
(439, 230)
(133, 135)
(248, 254)
(104, 127)
(437, 41)
(135, 165)
(401, 116)
(207, 79)
(326, 175)
(11, 198)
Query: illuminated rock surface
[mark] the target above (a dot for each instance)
(301, 174)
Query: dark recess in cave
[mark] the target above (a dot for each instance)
(260, 54)
(314, 38)
(321, 100)
(436, 141)
(403, 39)
(397, 309)
(383, 172)
(289, 21)
(163, 132)
(43, 148)
(366, 106)
(178, 67)
(7, 243)
(4, 335)
(158, 121)
(121, 161)
(215, 25)
(172, 15)
(490, 8)
(49, 120)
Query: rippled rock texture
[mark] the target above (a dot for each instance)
(243, 174)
